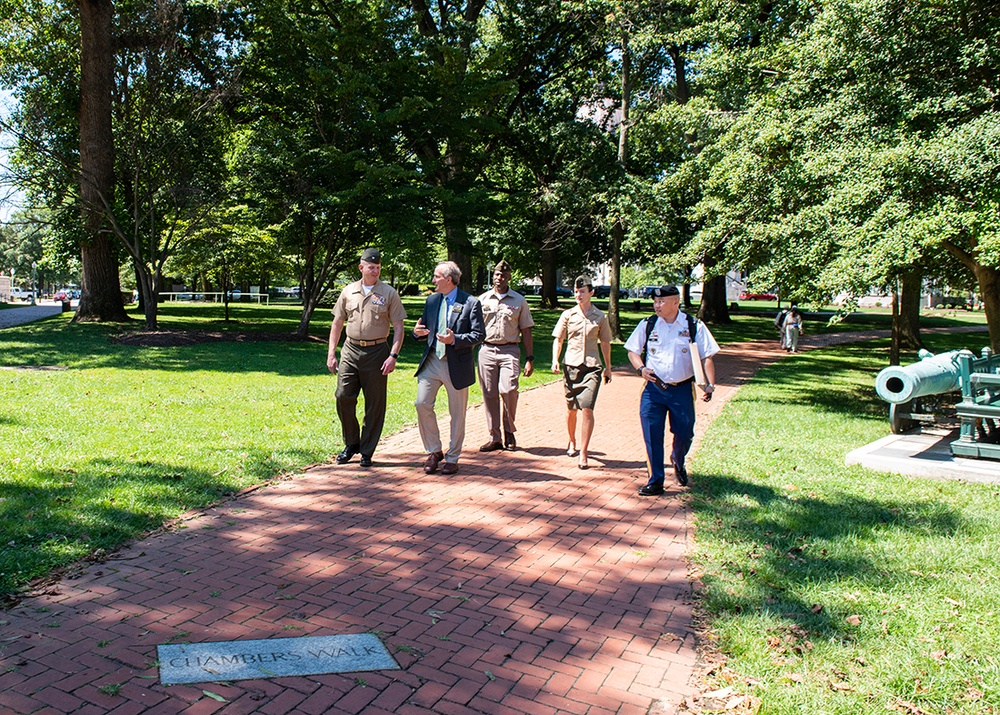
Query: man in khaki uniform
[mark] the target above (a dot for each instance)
(508, 322)
(367, 308)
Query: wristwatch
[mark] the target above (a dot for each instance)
(529, 358)
(394, 355)
(638, 370)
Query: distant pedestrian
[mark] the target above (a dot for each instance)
(779, 321)
(367, 308)
(582, 328)
(508, 323)
(791, 328)
(452, 325)
(660, 349)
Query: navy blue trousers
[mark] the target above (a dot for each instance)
(656, 405)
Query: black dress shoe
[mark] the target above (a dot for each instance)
(345, 456)
(509, 442)
(682, 475)
(491, 447)
(651, 490)
(366, 460)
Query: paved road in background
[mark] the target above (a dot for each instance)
(10, 317)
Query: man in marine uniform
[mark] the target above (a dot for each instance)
(508, 322)
(669, 373)
(367, 308)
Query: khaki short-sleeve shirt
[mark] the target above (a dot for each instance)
(369, 317)
(583, 334)
(505, 317)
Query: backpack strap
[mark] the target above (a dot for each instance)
(650, 324)
(692, 326)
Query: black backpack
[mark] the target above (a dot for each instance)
(651, 321)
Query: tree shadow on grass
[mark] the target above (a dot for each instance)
(52, 518)
(818, 380)
(779, 534)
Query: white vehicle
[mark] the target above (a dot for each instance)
(21, 294)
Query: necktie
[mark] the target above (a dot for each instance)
(442, 326)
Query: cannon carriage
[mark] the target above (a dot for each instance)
(911, 390)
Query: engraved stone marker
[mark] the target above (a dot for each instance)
(272, 658)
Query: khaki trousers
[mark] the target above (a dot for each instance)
(431, 378)
(499, 373)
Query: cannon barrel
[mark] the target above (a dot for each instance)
(933, 375)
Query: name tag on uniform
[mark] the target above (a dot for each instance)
(377, 299)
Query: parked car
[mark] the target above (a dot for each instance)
(61, 295)
(647, 291)
(757, 296)
(20, 294)
(605, 292)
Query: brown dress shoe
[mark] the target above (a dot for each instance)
(491, 447)
(449, 468)
(433, 460)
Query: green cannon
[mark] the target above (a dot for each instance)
(903, 386)
(977, 404)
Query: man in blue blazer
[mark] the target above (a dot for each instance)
(452, 325)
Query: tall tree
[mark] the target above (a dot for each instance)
(101, 297)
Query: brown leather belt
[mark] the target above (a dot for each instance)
(367, 343)
(499, 345)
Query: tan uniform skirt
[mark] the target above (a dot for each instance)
(581, 384)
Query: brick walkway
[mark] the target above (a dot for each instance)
(521, 585)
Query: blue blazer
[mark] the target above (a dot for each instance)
(466, 320)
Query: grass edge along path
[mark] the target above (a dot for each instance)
(833, 589)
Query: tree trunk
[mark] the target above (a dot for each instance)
(141, 298)
(309, 306)
(100, 287)
(456, 234)
(895, 349)
(618, 230)
(989, 292)
(613, 297)
(614, 319)
(549, 271)
(911, 283)
(686, 290)
(714, 303)
(149, 291)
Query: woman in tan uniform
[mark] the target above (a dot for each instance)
(582, 328)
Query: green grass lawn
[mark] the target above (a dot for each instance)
(835, 589)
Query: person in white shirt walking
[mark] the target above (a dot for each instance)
(660, 350)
